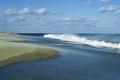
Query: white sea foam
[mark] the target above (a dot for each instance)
(82, 40)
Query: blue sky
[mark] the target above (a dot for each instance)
(60, 16)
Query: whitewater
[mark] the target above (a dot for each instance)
(83, 40)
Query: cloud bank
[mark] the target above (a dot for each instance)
(26, 10)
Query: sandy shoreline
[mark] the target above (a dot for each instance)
(12, 52)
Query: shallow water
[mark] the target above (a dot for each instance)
(76, 62)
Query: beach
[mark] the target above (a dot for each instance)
(13, 52)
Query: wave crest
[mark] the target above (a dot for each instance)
(82, 40)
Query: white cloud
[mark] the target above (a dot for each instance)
(17, 18)
(108, 9)
(10, 11)
(25, 10)
(92, 1)
(79, 21)
(104, 0)
(68, 18)
(41, 11)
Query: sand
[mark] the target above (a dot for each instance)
(10, 37)
(13, 52)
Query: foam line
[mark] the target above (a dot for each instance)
(82, 40)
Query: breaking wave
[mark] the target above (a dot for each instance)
(82, 40)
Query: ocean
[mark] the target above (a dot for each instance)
(82, 57)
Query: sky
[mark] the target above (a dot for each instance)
(60, 16)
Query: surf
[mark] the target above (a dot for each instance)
(83, 40)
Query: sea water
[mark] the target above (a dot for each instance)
(82, 57)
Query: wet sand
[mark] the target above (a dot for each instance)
(13, 52)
